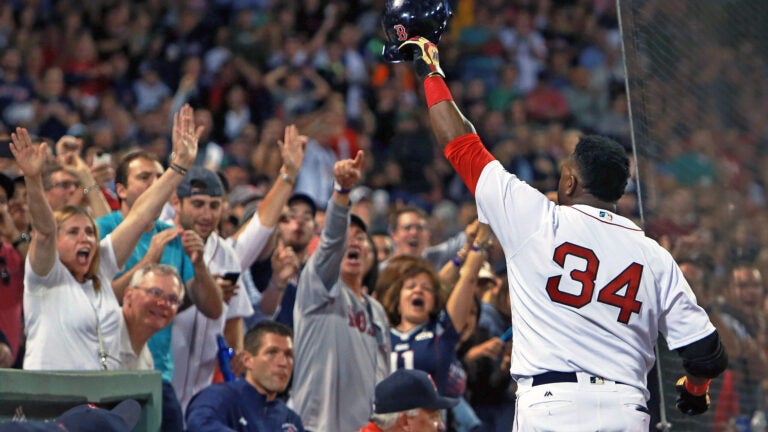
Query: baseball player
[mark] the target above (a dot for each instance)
(591, 291)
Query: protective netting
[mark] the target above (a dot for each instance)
(698, 96)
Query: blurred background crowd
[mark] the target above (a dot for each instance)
(531, 75)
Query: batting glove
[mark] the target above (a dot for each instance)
(692, 400)
(425, 56)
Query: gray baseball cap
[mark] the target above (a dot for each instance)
(200, 181)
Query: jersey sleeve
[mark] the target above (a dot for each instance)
(318, 280)
(251, 241)
(468, 156)
(514, 210)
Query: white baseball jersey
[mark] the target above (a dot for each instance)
(194, 335)
(590, 292)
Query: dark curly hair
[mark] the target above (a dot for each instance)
(603, 166)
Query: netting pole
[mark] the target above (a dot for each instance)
(663, 424)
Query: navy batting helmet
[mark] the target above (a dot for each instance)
(404, 19)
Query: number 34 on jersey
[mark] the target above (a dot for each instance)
(585, 276)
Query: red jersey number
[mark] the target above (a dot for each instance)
(609, 295)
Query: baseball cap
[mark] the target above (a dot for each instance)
(358, 221)
(200, 181)
(360, 193)
(303, 198)
(85, 418)
(7, 184)
(90, 418)
(243, 194)
(408, 389)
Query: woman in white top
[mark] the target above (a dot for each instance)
(72, 316)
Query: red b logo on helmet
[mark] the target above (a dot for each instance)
(402, 35)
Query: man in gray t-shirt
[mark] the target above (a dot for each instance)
(341, 334)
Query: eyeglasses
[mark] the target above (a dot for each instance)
(158, 294)
(417, 227)
(67, 184)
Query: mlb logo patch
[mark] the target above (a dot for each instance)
(606, 215)
(596, 380)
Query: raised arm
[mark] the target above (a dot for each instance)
(31, 158)
(292, 151)
(68, 155)
(327, 258)
(460, 301)
(454, 133)
(147, 207)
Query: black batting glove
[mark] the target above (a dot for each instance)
(687, 402)
(425, 57)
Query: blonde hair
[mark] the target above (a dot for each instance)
(61, 215)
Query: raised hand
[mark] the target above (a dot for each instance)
(292, 150)
(285, 265)
(185, 137)
(67, 147)
(193, 245)
(30, 157)
(158, 243)
(348, 172)
(228, 288)
(425, 56)
(484, 236)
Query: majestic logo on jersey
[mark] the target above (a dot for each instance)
(424, 336)
(548, 394)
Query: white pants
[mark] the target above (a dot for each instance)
(591, 404)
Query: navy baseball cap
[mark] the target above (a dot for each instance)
(408, 389)
(90, 418)
(200, 181)
(85, 418)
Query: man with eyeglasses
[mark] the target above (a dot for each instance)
(60, 186)
(411, 236)
(150, 303)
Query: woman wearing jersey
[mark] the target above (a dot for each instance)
(426, 328)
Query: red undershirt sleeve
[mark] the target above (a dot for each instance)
(468, 156)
